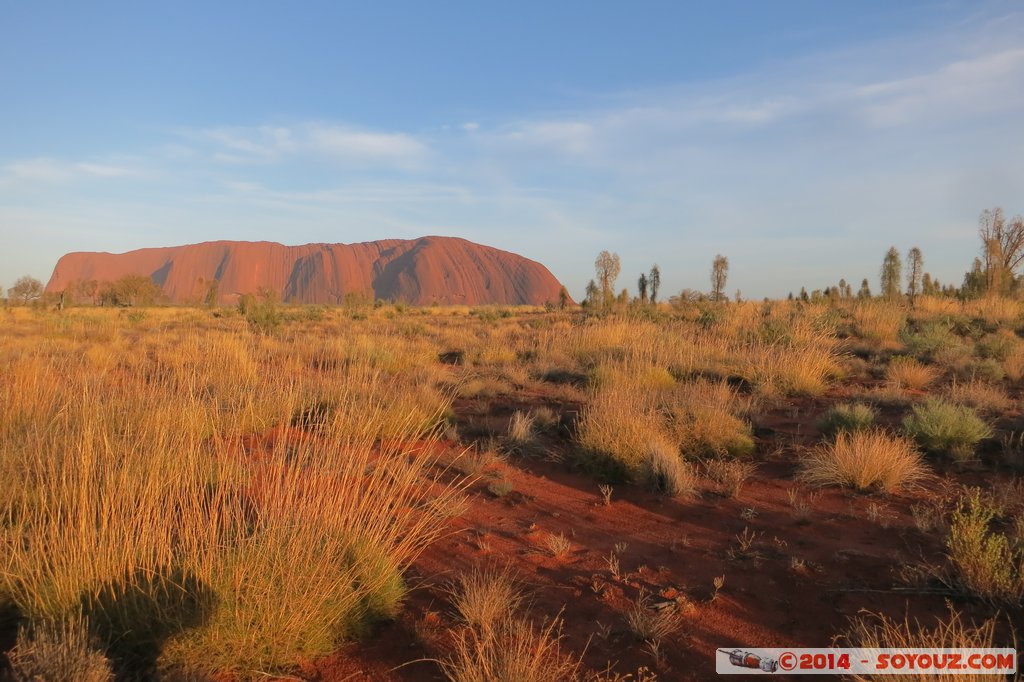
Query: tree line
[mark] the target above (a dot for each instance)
(993, 273)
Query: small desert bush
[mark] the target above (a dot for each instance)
(980, 395)
(878, 323)
(1013, 366)
(514, 650)
(667, 473)
(981, 370)
(474, 462)
(998, 346)
(986, 563)
(932, 340)
(940, 426)
(501, 487)
(485, 597)
(702, 417)
(780, 369)
(731, 475)
(558, 545)
(522, 430)
(877, 631)
(904, 372)
(847, 417)
(58, 652)
(993, 310)
(544, 417)
(618, 424)
(865, 460)
(649, 624)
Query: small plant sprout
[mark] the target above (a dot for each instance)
(606, 493)
(718, 583)
(558, 545)
(649, 623)
(612, 562)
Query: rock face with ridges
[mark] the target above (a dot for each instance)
(443, 270)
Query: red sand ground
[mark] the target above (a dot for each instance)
(675, 549)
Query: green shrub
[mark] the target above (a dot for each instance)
(931, 339)
(985, 370)
(986, 564)
(260, 311)
(997, 346)
(847, 417)
(940, 426)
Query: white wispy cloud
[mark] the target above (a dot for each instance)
(984, 84)
(340, 143)
(47, 170)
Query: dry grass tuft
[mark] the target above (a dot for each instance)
(667, 473)
(878, 323)
(650, 624)
(865, 460)
(908, 373)
(877, 631)
(980, 395)
(514, 650)
(558, 545)
(522, 431)
(731, 475)
(62, 652)
(485, 597)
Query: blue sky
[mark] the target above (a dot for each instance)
(800, 139)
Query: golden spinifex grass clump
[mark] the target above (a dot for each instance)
(878, 323)
(128, 495)
(877, 631)
(865, 460)
(497, 644)
(905, 372)
(483, 597)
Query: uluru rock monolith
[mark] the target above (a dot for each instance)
(442, 270)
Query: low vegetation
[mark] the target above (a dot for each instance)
(865, 460)
(944, 427)
(58, 652)
(273, 516)
(847, 417)
(878, 631)
(986, 563)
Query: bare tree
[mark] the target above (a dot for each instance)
(641, 285)
(719, 274)
(1002, 248)
(654, 280)
(25, 290)
(915, 270)
(608, 267)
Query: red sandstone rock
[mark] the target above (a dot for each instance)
(444, 270)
